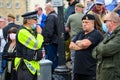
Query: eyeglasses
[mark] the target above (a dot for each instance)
(107, 21)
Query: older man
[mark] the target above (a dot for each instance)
(50, 33)
(108, 52)
(85, 41)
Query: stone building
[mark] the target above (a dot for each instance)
(15, 7)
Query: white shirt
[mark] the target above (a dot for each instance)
(3, 42)
(39, 19)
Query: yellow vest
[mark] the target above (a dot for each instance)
(33, 66)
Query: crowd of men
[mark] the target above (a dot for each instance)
(94, 31)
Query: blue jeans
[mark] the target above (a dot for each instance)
(51, 54)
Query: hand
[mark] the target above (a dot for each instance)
(39, 29)
(67, 29)
(73, 46)
(78, 42)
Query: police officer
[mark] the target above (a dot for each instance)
(28, 42)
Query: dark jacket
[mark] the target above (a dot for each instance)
(8, 55)
(50, 30)
(70, 10)
(108, 55)
(5, 30)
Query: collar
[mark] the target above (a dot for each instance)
(27, 27)
(11, 22)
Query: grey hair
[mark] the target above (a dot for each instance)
(49, 6)
(114, 16)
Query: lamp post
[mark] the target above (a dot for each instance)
(61, 72)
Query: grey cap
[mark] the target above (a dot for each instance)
(99, 2)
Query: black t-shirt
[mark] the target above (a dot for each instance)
(84, 63)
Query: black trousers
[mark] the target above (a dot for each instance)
(24, 74)
(83, 77)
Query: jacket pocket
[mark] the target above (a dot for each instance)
(108, 62)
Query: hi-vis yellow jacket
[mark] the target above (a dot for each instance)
(26, 45)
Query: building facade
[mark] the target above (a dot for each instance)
(15, 7)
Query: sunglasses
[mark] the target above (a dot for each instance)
(99, 4)
(107, 21)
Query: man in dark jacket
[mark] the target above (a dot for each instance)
(11, 20)
(50, 33)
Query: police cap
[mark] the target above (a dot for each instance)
(30, 15)
(88, 17)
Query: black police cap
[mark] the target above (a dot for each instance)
(30, 15)
(88, 17)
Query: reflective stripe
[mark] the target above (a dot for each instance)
(30, 67)
(28, 40)
(35, 45)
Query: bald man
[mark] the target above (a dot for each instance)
(50, 33)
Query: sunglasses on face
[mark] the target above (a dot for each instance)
(107, 21)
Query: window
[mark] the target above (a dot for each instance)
(8, 5)
(18, 18)
(17, 5)
(0, 4)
